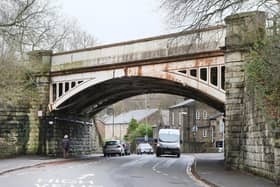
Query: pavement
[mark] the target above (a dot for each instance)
(23, 162)
(208, 168)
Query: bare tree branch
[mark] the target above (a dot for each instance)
(201, 13)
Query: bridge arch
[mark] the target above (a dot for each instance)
(92, 97)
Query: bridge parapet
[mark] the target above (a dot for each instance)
(172, 45)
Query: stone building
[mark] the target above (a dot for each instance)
(199, 125)
(217, 129)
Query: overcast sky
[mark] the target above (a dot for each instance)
(113, 21)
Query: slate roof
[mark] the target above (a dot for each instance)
(125, 118)
(215, 116)
(182, 104)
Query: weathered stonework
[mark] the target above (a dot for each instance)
(249, 139)
(41, 64)
(82, 136)
(14, 131)
(28, 130)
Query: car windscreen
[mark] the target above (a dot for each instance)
(145, 145)
(169, 138)
(112, 143)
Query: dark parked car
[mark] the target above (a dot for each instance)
(113, 147)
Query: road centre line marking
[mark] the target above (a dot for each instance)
(86, 175)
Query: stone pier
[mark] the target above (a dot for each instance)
(249, 140)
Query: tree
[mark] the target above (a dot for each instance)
(136, 129)
(75, 38)
(188, 14)
(133, 124)
(14, 85)
(27, 25)
(34, 24)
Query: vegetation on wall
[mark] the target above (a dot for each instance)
(264, 77)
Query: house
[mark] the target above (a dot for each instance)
(116, 126)
(197, 129)
(217, 126)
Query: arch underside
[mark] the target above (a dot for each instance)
(97, 97)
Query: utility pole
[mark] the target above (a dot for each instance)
(113, 121)
(146, 136)
(111, 111)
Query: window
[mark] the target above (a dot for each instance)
(223, 77)
(204, 132)
(214, 76)
(73, 84)
(205, 115)
(60, 89)
(183, 71)
(193, 72)
(197, 115)
(203, 74)
(66, 86)
(54, 92)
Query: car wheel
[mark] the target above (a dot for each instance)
(178, 155)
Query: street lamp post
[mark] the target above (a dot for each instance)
(113, 121)
(184, 137)
(146, 128)
(111, 111)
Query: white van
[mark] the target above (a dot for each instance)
(168, 142)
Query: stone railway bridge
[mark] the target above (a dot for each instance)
(189, 64)
(206, 64)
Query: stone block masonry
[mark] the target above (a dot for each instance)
(27, 130)
(249, 139)
(14, 131)
(82, 136)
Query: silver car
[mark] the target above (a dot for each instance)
(144, 148)
(113, 147)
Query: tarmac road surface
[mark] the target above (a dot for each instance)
(127, 171)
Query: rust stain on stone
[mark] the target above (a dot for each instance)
(169, 76)
(209, 61)
(125, 71)
(139, 70)
(166, 68)
(203, 62)
(197, 63)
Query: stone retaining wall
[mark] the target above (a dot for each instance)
(14, 131)
(82, 136)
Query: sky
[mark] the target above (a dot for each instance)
(112, 21)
